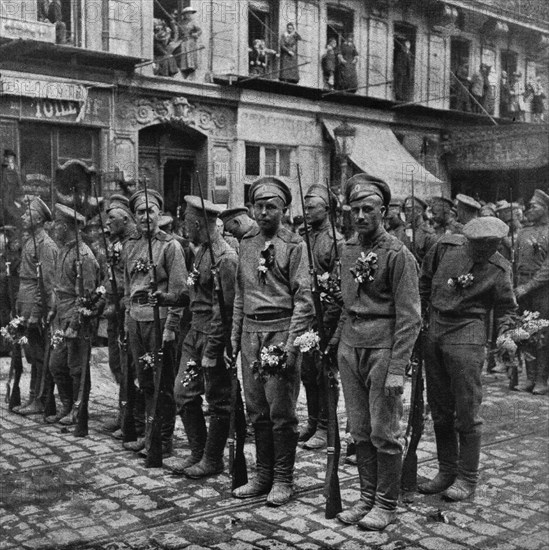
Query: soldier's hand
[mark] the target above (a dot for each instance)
(33, 321)
(520, 291)
(394, 385)
(50, 316)
(231, 360)
(70, 333)
(331, 349)
(208, 362)
(168, 335)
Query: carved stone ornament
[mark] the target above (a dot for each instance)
(142, 112)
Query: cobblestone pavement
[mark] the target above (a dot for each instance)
(57, 491)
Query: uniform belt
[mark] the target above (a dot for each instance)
(366, 317)
(274, 316)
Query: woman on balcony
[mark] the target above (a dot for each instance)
(346, 71)
(188, 33)
(289, 63)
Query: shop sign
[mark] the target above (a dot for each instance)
(18, 29)
(42, 88)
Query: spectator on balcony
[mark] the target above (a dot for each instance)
(55, 16)
(516, 98)
(538, 104)
(488, 95)
(329, 64)
(188, 33)
(477, 91)
(164, 62)
(404, 71)
(42, 9)
(289, 61)
(259, 58)
(347, 58)
(461, 87)
(504, 93)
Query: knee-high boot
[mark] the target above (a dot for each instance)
(469, 457)
(285, 444)
(195, 429)
(313, 405)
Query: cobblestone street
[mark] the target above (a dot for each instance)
(57, 491)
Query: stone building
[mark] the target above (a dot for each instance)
(133, 89)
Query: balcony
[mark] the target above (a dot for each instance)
(19, 29)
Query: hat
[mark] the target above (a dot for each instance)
(153, 197)
(231, 213)
(9, 153)
(421, 202)
(165, 220)
(485, 228)
(94, 221)
(320, 191)
(269, 187)
(488, 209)
(468, 201)
(68, 214)
(212, 210)
(363, 185)
(36, 203)
(188, 9)
(542, 197)
(396, 203)
(119, 202)
(443, 200)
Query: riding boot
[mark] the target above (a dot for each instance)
(264, 450)
(366, 454)
(542, 373)
(312, 395)
(467, 477)
(195, 429)
(285, 443)
(531, 373)
(64, 388)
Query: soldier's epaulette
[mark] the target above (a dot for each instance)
(454, 239)
(253, 232)
(163, 236)
(498, 260)
(288, 237)
(391, 243)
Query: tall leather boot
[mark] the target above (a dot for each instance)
(64, 388)
(264, 449)
(366, 455)
(285, 444)
(195, 428)
(542, 372)
(388, 486)
(211, 463)
(319, 439)
(467, 478)
(531, 372)
(447, 454)
(312, 396)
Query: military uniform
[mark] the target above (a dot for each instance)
(454, 348)
(424, 239)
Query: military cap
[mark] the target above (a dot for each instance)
(9, 153)
(443, 200)
(485, 228)
(542, 197)
(468, 201)
(153, 197)
(94, 221)
(363, 185)
(165, 220)
(188, 9)
(488, 209)
(36, 203)
(212, 210)
(396, 203)
(231, 213)
(320, 191)
(421, 202)
(269, 187)
(68, 214)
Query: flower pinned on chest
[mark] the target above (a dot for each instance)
(461, 282)
(141, 266)
(266, 261)
(365, 268)
(114, 252)
(193, 276)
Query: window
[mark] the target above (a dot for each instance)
(404, 55)
(460, 73)
(340, 24)
(262, 22)
(267, 161)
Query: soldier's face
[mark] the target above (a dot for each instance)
(234, 228)
(60, 231)
(536, 211)
(439, 212)
(192, 226)
(116, 222)
(367, 214)
(27, 220)
(141, 214)
(316, 210)
(412, 211)
(268, 214)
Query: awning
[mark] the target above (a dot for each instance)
(378, 152)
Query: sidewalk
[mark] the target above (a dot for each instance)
(57, 491)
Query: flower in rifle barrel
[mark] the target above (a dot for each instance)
(15, 332)
(526, 331)
(87, 305)
(141, 266)
(191, 372)
(461, 282)
(193, 276)
(114, 252)
(272, 362)
(266, 261)
(365, 268)
(330, 288)
(147, 360)
(308, 342)
(57, 339)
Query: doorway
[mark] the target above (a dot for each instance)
(177, 183)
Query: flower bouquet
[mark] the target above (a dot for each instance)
(192, 372)
(141, 266)
(272, 363)
(308, 342)
(57, 339)
(526, 331)
(193, 276)
(266, 261)
(87, 304)
(365, 268)
(114, 252)
(148, 360)
(461, 282)
(330, 288)
(15, 332)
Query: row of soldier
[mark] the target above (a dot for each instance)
(388, 290)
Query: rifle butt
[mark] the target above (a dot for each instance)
(332, 488)
(16, 370)
(408, 480)
(153, 440)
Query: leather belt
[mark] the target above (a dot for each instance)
(275, 316)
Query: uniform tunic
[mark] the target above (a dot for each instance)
(379, 326)
(425, 238)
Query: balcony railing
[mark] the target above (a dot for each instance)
(19, 29)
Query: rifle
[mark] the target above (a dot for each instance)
(237, 424)
(81, 404)
(331, 482)
(127, 394)
(332, 216)
(416, 420)
(513, 374)
(153, 430)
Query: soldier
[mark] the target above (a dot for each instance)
(237, 222)
(70, 358)
(202, 368)
(273, 306)
(420, 237)
(377, 332)
(512, 216)
(393, 222)
(467, 209)
(441, 209)
(139, 322)
(532, 247)
(463, 277)
(317, 205)
(38, 248)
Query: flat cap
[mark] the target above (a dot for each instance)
(320, 191)
(541, 196)
(37, 204)
(485, 228)
(269, 187)
(212, 210)
(421, 202)
(165, 220)
(468, 201)
(153, 196)
(361, 186)
(68, 214)
(443, 200)
(231, 213)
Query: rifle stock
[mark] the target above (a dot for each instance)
(331, 482)
(513, 374)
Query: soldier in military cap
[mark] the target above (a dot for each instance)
(467, 209)
(532, 291)
(38, 248)
(273, 306)
(11, 190)
(441, 209)
(393, 221)
(171, 278)
(202, 368)
(237, 222)
(70, 358)
(377, 332)
(420, 236)
(463, 277)
(511, 214)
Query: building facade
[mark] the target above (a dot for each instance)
(446, 94)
